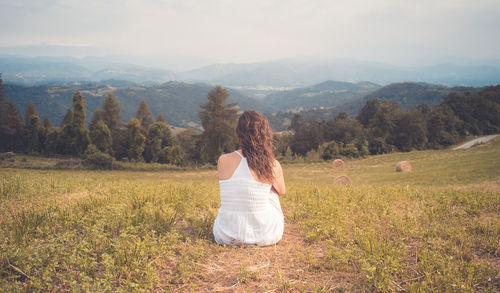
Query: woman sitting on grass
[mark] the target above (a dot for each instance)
(250, 181)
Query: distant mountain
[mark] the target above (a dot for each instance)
(177, 101)
(325, 94)
(133, 73)
(47, 70)
(300, 73)
(286, 73)
(409, 94)
(41, 70)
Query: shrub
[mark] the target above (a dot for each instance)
(330, 150)
(97, 159)
(172, 155)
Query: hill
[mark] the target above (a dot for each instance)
(290, 73)
(325, 94)
(177, 101)
(305, 72)
(44, 70)
(408, 95)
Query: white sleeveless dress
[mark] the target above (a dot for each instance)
(250, 213)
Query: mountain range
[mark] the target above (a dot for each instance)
(290, 73)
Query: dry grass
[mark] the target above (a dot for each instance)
(290, 265)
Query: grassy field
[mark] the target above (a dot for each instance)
(436, 228)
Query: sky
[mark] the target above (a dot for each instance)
(399, 32)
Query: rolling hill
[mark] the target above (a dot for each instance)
(408, 95)
(325, 94)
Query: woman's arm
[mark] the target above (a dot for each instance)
(279, 182)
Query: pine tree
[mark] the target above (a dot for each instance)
(96, 117)
(12, 128)
(33, 128)
(111, 113)
(68, 118)
(101, 137)
(160, 118)
(219, 121)
(136, 140)
(48, 137)
(81, 135)
(144, 115)
(65, 135)
(158, 137)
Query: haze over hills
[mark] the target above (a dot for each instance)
(325, 94)
(289, 73)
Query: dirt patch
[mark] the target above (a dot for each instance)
(290, 265)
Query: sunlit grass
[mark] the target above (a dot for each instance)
(432, 229)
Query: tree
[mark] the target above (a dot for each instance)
(101, 137)
(136, 140)
(33, 128)
(160, 118)
(96, 117)
(159, 136)
(11, 128)
(368, 111)
(111, 116)
(172, 155)
(218, 121)
(80, 133)
(442, 127)
(190, 141)
(48, 137)
(144, 115)
(65, 134)
(68, 118)
(111, 113)
(381, 126)
(409, 132)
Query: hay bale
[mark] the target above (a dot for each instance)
(342, 180)
(403, 166)
(338, 164)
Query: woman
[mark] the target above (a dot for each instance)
(250, 181)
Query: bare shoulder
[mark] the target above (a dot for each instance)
(226, 165)
(277, 165)
(225, 158)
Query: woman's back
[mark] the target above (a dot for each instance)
(250, 213)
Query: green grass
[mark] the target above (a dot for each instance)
(429, 168)
(436, 228)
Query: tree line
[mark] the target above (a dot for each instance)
(108, 138)
(380, 127)
(383, 127)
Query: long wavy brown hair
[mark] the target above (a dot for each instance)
(256, 142)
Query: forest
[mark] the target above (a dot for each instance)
(380, 127)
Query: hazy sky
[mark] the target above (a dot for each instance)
(394, 31)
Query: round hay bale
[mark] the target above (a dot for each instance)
(342, 180)
(338, 164)
(403, 166)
